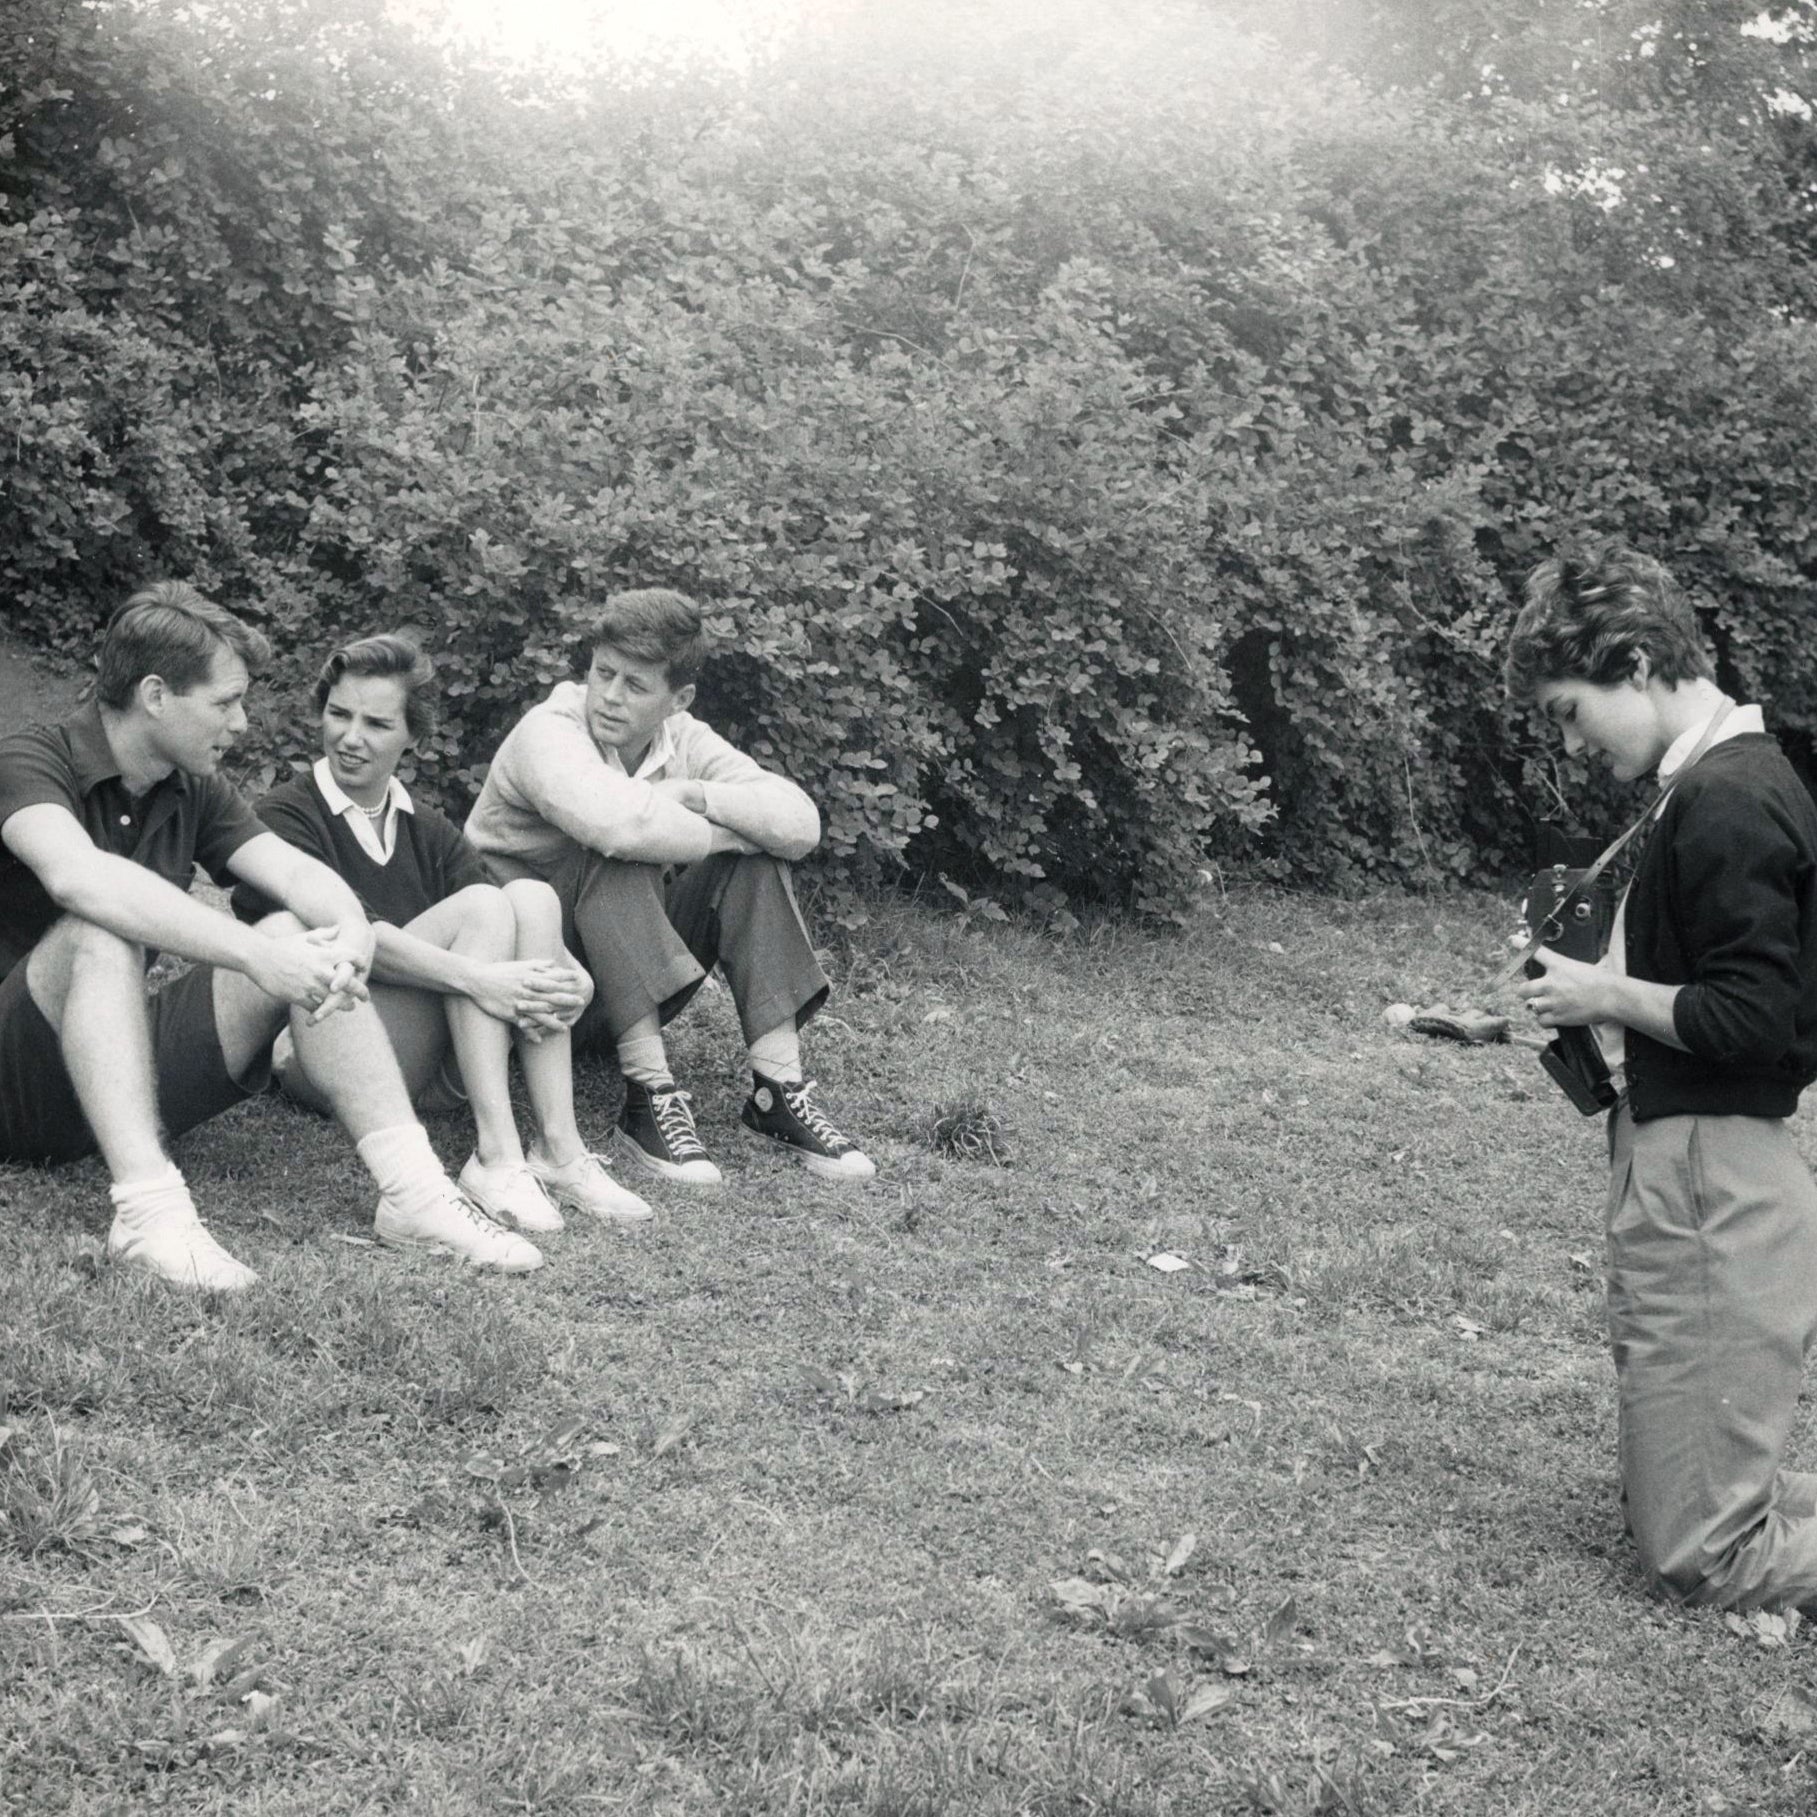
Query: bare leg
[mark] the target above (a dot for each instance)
(90, 986)
(417, 1029)
(477, 923)
(417, 1026)
(548, 1063)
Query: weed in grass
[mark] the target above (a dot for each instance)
(439, 1703)
(227, 1551)
(531, 1776)
(969, 1129)
(47, 1500)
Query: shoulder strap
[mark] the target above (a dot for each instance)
(1614, 849)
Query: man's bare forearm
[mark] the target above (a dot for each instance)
(139, 905)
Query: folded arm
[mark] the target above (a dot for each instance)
(733, 792)
(559, 771)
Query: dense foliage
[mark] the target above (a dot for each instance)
(1105, 447)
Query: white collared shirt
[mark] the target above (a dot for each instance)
(1612, 1037)
(656, 758)
(377, 833)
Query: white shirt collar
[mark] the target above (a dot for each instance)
(1741, 721)
(397, 797)
(660, 754)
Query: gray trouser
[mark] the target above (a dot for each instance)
(1712, 1299)
(649, 944)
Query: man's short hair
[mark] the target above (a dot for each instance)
(388, 654)
(170, 630)
(1591, 616)
(654, 624)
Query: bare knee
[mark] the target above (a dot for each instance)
(72, 948)
(280, 924)
(487, 923)
(537, 914)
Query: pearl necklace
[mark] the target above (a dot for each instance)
(378, 813)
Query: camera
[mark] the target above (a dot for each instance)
(1575, 922)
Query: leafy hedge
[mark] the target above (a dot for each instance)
(1104, 450)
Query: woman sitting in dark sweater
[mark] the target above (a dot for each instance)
(460, 962)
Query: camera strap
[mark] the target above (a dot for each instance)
(1614, 849)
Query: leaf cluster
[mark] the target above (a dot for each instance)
(1106, 447)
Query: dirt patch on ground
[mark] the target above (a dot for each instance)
(32, 687)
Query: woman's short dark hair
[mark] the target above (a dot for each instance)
(654, 624)
(393, 655)
(1593, 615)
(170, 630)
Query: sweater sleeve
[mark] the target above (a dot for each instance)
(556, 768)
(1737, 870)
(772, 812)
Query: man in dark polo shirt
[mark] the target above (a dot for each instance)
(102, 822)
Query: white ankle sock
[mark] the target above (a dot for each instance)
(777, 1054)
(138, 1203)
(404, 1166)
(642, 1057)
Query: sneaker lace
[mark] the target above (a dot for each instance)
(676, 1121)
(472, 1213)
(802, 1104)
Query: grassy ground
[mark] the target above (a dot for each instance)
(763, 1509)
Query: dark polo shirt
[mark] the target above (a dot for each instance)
(176, 824)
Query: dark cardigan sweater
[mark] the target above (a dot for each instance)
(1724, 903)
(431, 860)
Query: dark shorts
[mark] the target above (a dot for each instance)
(40, 1117)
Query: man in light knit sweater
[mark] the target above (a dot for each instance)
(670, 851)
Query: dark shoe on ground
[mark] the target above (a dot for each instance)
(788, 1114)
(656, 1129)
(1473, 1026)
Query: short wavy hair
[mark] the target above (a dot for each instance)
(390, 655)
(1592, 615)
(653, 624)
(170, 630)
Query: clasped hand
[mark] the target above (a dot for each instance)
(538, 996)
(321, 969)
(1568, 993)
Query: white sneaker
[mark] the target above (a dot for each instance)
(512, 1196)
(450, 1225)
(174, 1244)
(585, 1185)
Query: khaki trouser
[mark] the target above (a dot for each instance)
(1712, 1300)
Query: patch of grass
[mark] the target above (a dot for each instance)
(760, 1510)
(49, 1499)
(968, 1129)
